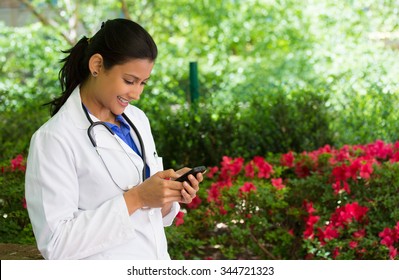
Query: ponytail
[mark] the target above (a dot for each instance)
(74, 71)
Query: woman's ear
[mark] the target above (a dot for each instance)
(95, 64)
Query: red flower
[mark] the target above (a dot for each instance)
(230, 167)
(278, 183)
(309, 229)
(353, 244)
(247, 187)
(287, 159)
(211, 171)
(24, 203)
(366, 170)
(345, 214)
(328, 233)
(395, 157)
(179, 218)
(359, 234)
(214, 192)
(309, 207)
(264, 168)
(335, 253)
(301, 169)
(337, 187)
(249, 170)
(343, 172)
(389, 237)
(222, 210)
(194, 203)
(393, 252)
(18, 163)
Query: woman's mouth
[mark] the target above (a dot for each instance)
(124, 102)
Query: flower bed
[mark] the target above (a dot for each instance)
(324, 204)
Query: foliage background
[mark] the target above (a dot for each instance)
(274, 76)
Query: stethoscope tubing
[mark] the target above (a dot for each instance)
(93, 141)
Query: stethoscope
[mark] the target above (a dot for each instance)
(93, 140)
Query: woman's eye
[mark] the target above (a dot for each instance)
(129, 82)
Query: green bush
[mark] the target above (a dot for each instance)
(15, 226)
(325, 204)
(28, 79)
(272, 121)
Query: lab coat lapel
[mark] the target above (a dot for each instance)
(145, 136)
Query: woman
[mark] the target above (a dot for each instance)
(89, 193)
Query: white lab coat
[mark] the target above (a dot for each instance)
(76, 210)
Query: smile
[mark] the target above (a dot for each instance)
(123, 100)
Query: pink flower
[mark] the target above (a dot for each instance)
(278, 183)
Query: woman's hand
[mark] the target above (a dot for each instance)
(155, 192)
(159, 191)
(190, 189)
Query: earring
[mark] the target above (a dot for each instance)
(94, 74)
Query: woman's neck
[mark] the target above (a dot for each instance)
(95, 107)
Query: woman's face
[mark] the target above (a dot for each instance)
(113, 89)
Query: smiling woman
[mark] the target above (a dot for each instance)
(95, 186)
(107, 93)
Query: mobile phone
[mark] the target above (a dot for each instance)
(194, 172)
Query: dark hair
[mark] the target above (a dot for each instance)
(118, 41)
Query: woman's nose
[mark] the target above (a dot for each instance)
(137, 89)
